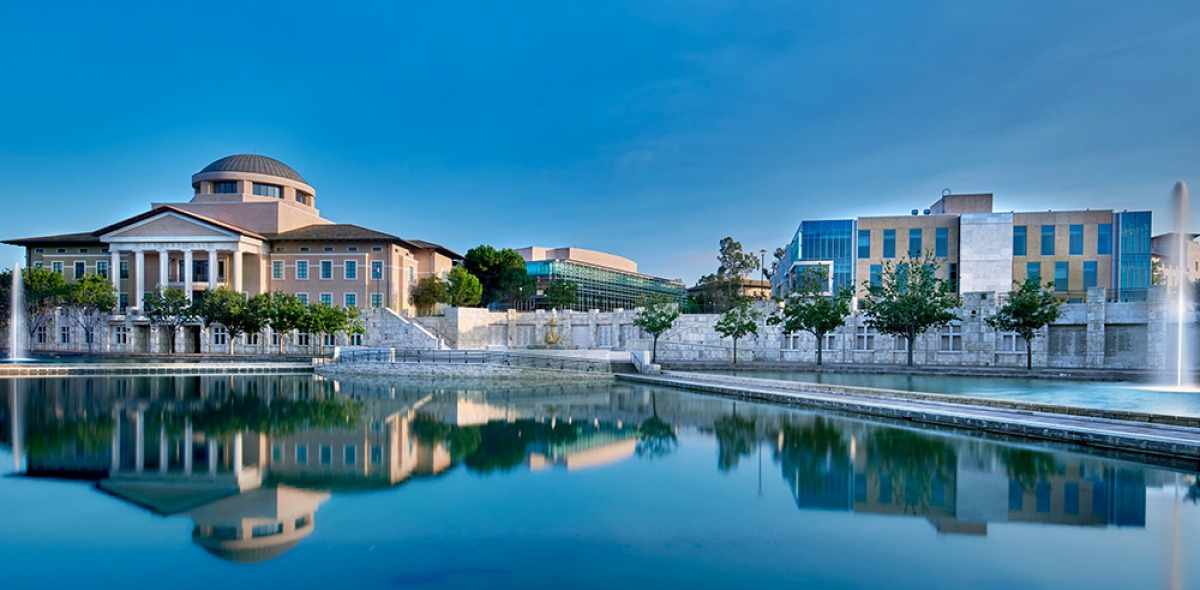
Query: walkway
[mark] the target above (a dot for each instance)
(1172, 437)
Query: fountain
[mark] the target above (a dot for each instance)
(17, 334)
(1179, 205)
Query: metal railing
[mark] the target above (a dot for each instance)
(462, 357)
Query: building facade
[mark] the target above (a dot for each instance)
(605, 281)
(981, 250)
(252, 226)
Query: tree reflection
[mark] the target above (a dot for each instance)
(656, 437)
(912, 463)
(809, 453)
(736, 437)
(1029, 467)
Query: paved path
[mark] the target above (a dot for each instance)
(1177, 439)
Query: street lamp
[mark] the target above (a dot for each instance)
(762, 268)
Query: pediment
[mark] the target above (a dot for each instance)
(169, 225)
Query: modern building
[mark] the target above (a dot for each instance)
(1163, 255)
(605, 281)
(251, 225)
(981, 250)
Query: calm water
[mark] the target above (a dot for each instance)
(297, 482)
(1093, 394)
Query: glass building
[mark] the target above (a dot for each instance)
(602, 288)
(1133, 270)
(827, 243)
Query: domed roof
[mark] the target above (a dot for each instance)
(255, 164)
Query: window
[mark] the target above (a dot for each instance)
(39, 250)
(350, 300)
(326, 454)
(252, 339)
(56, 266)
(412, 275)
(864, 338)
(275, 338)
(350, 454)
(277, 270)
(302, 454)
(352, 248)
(267, 190)
(124, 269)
(1047, 240)
(80, 270)
(914, 243)
(304, 248)
(302, 270)
(376, 270)
(326, 269)
(225, 187)
(329, 339)
(1062, 276)
(326, 298)
(1033, 270)
(864, 243)
(220, 336)
(1089, 274)
(351, 270)
(376, 248)
(39, 264)
(791, 342)
(83, 250)
(102, 268)
(356, 339)
(89, 336)
(889, 243)
(376, 455)
(900, 344)
(1011, 342)
(876, 275)
(328, 248)
(1104, 238)
(951, 340)
(952, 273)
(64, 335)
(941, 245)
(303, 339)
(303, 297)
(376, 300)
(1075, 243)
(120, 335)
(123, 301)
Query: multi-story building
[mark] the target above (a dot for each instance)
(605, 281)
(980, 250)
(251, 225)
(1164, 253)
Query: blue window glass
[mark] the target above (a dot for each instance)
(1042, 496)
(1047, 240)
(1104, 238)
(1019, 240)
(864, 243)
(889, 243)
(876, 275)
(1071, 498)
(1016, 495)
(1089, 274)
(1076, 241)
(914, 243)
(1133, 274)
(225, 187)
(941, 245)
(1033, 270)
(829, 241)
(1062, 276)
(267, 190)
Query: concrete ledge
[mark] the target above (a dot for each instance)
(1180, 444)
(476, 371)
(100, 369)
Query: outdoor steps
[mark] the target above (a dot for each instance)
(1172, 439)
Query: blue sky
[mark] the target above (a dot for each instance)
(646, 129)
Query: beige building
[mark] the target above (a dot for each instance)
(1163, 255)
(251, 225)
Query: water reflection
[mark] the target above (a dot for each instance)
(251, 459)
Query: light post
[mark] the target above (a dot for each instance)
(762, 267)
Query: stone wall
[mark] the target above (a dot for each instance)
(483, 372)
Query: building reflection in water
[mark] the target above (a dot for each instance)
(250, 459)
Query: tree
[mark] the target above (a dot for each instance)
(236, 312)
(284, 313)
(559, 293)
(44, 290)
(1028, 309)
(657, 315)
(464, 290)
(429, 292)
(734, 265)
(501, 273)
(739, 321)
(909, 299)
(810, 309)
(322, 320)
(91, 298)
(168, 307)
(6, 277)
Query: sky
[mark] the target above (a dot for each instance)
(647, 129)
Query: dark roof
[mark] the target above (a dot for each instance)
(255, 164)
(422, 244)
(82, 238)
(335, 232)
(165, 208)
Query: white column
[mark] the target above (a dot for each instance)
(212, 269)
(139, 272)
(187, 448)
(236, 283)
(187, 273)
(114, 270)
(162, 268)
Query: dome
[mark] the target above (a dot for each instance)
(255, 164)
